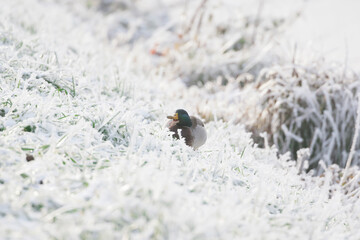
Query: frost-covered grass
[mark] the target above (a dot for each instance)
(84, 152)
(311, 107)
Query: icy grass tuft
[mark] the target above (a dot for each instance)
(309, 107)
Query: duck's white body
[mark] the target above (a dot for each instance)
(198, 132)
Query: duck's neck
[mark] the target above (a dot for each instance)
(185, 122)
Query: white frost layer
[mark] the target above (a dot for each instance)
(138, 184)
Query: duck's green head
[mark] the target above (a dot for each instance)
(182, 118)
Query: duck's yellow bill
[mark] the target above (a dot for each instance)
(175, 117)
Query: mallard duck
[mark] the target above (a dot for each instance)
(192, 129)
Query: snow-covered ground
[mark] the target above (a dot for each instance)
(91, 112)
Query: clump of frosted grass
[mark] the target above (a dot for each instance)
(309, 107)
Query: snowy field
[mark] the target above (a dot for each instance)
(85, 88)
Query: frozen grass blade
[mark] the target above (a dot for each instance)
(354, 141)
